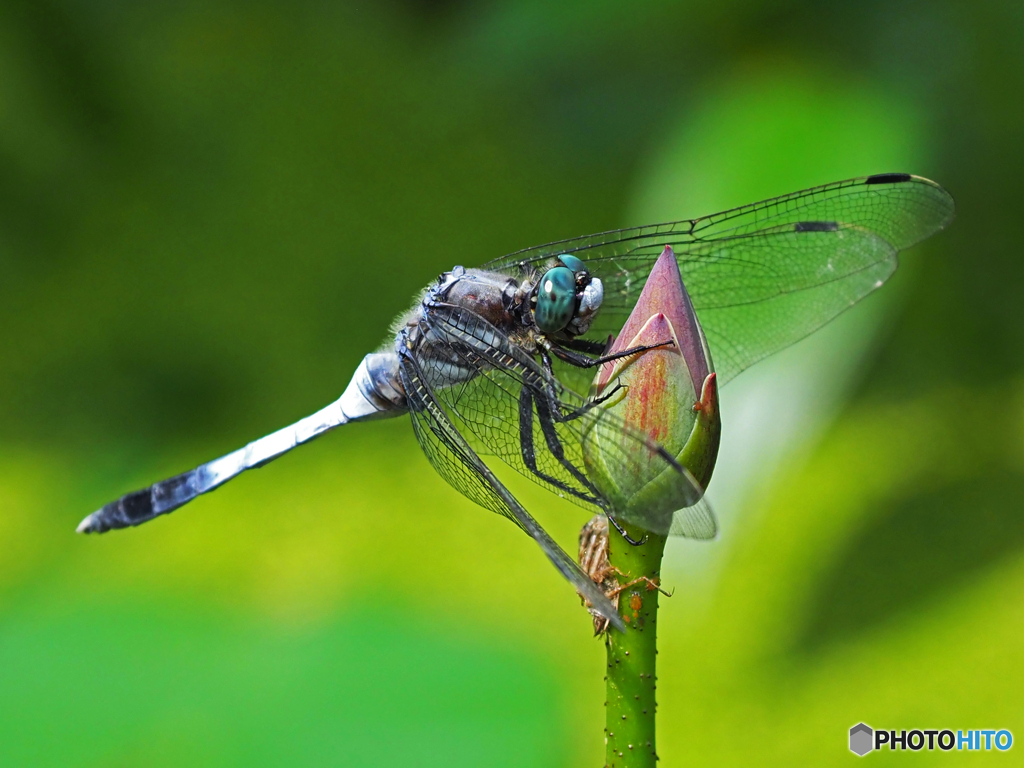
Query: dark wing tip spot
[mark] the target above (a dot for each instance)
(887, 178)
(816, 226)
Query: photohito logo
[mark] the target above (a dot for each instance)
(864, 739)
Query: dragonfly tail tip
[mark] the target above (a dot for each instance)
(89, 525)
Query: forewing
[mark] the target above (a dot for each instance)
(764, 275)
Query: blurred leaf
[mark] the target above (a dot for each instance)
(135, 686)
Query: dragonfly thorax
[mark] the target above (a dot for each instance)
(563, 299)
(495, 297)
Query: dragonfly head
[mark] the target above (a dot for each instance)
(567, 297)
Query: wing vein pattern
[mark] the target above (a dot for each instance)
(764, 275)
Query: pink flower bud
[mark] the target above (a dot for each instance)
(670, 394)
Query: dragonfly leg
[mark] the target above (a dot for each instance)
(622, 532)
(549, 378)
(526, 403)
(582, 361)
(583, 409)
(554, 404)
(586, 345)
(554, 443)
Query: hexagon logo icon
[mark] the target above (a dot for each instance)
(861, 739)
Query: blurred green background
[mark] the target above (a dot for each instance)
(209, 212)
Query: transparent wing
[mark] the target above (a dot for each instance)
(695, 522)
(511, 409)
(454, 459)
(765, 275)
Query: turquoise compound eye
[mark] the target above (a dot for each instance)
(556, 300)
(572, 263)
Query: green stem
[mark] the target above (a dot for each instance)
(631, 681)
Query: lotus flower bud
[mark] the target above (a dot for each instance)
(670, 394)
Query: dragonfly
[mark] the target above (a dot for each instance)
(497, 361)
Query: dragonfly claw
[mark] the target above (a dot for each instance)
(622, 532)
